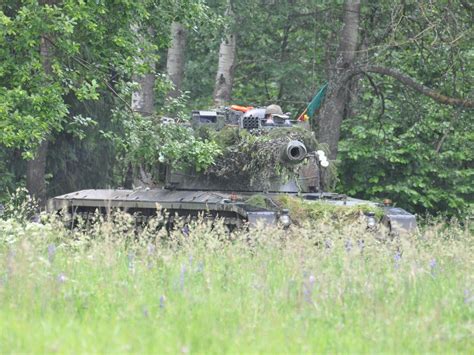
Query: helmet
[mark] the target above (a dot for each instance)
(276, 112)
(273, 110)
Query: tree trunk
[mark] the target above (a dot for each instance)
(175, 60)
(143, 100)
(284, 48)
(334, 108)
(36, 168)
(35, 173)
(225, 67)
(283, 55)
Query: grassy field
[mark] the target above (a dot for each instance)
(318, 288)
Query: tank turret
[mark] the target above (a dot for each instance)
(263, 150)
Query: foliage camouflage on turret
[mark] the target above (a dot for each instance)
(258, 154)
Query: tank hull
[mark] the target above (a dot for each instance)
(149, 202)
(146, 203)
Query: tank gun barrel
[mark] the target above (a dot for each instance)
(294, 152)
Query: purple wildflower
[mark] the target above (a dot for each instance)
(151, 249)
(468, 297)
(149, 264)
(61, 278)
(185, 230)
(200, 267)
(433, 266)
(348, 245)
(162, 301)
(146, 313)
(308, 288)
(51, 252)
(10, 260)
(131, 259)
(151, 252)
(182, 276)
(397, 257)
(327, 244)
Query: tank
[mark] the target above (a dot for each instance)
(267, 155)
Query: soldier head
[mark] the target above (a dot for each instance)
(274, 112)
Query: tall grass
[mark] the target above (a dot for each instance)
(318, 288)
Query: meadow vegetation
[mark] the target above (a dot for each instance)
(319, 287)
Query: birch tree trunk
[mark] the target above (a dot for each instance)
(175, 60)
(334, 108)
(143, 100)
(143, 103)
(225, 67)
(36, 168)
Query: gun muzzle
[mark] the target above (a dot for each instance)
(294, 152)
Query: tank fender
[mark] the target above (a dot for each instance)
(267, 218)
(399, 220)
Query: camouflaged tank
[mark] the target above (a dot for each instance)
(290, 165)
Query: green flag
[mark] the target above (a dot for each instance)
(316, 101)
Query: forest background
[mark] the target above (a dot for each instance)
(82, 83)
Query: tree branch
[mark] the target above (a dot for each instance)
(410, 82)
(379, 94)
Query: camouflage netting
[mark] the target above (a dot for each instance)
(257, 156)
(302, 210)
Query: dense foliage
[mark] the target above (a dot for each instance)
(88, 42)
(424, 151)
(94, 54)
(395, 143)
(150, 143)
